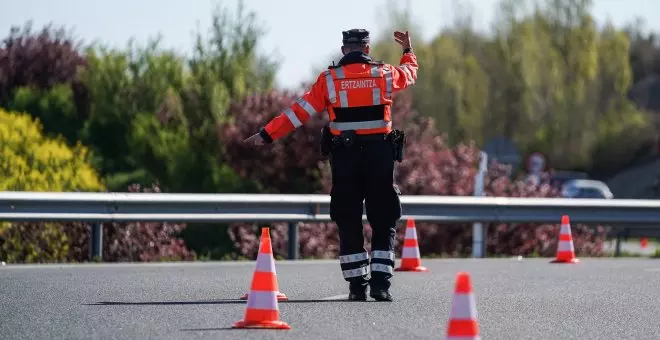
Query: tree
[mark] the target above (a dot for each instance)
(155, 113)
(644, 50)
(39, 74)
(546, 77)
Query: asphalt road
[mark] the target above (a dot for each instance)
(528, 299)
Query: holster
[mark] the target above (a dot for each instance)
(398, 140)
(326, 141)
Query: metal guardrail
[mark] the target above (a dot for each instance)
(267, 208)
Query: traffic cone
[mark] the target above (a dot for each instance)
(411, 261)
(463, 324)
(280, 297)
(265, 237)
(262, 310)
(565, 250)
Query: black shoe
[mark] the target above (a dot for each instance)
(380, 294)
(357, 293)
(357, 296)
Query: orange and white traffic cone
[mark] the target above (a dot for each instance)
(411, 261)
(280, 296)
(266, 258)
(463, 324)
(565, 250)
(262, 310)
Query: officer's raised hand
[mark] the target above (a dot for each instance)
(255, 139)
(403, 39)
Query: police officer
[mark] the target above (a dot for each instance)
(362, 148)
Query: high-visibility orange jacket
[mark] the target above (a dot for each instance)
(357, 94)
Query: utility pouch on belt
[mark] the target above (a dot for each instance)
(345, 138)
(398, 139)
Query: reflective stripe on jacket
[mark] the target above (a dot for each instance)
(357, 95)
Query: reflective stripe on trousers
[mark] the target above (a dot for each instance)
(354, 265)
(355, 272)
(353, 258)
(383, 261)
(383, 254)
(379, 267)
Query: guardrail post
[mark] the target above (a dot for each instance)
(293, 241)
(617, 247)
(96, 249)
(478, 230)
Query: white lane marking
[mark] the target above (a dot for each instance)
(652, 270)
(336, 297)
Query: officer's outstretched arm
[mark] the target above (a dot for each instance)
(312, 102)
(405, 74)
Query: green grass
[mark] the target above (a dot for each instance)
(656, 255)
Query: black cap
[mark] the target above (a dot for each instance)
(355, 36)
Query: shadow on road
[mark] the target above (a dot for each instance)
(308, 301)
(210, 329)
(201, 302)
(160, 303)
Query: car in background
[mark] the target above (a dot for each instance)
(586, 188)
(560, 177)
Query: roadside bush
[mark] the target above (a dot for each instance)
(29, 161)
(32, 162)
(430, 168)
(144, 241)
(289, 166)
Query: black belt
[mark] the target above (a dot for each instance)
(369, 137)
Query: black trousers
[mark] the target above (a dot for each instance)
(361, 172)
